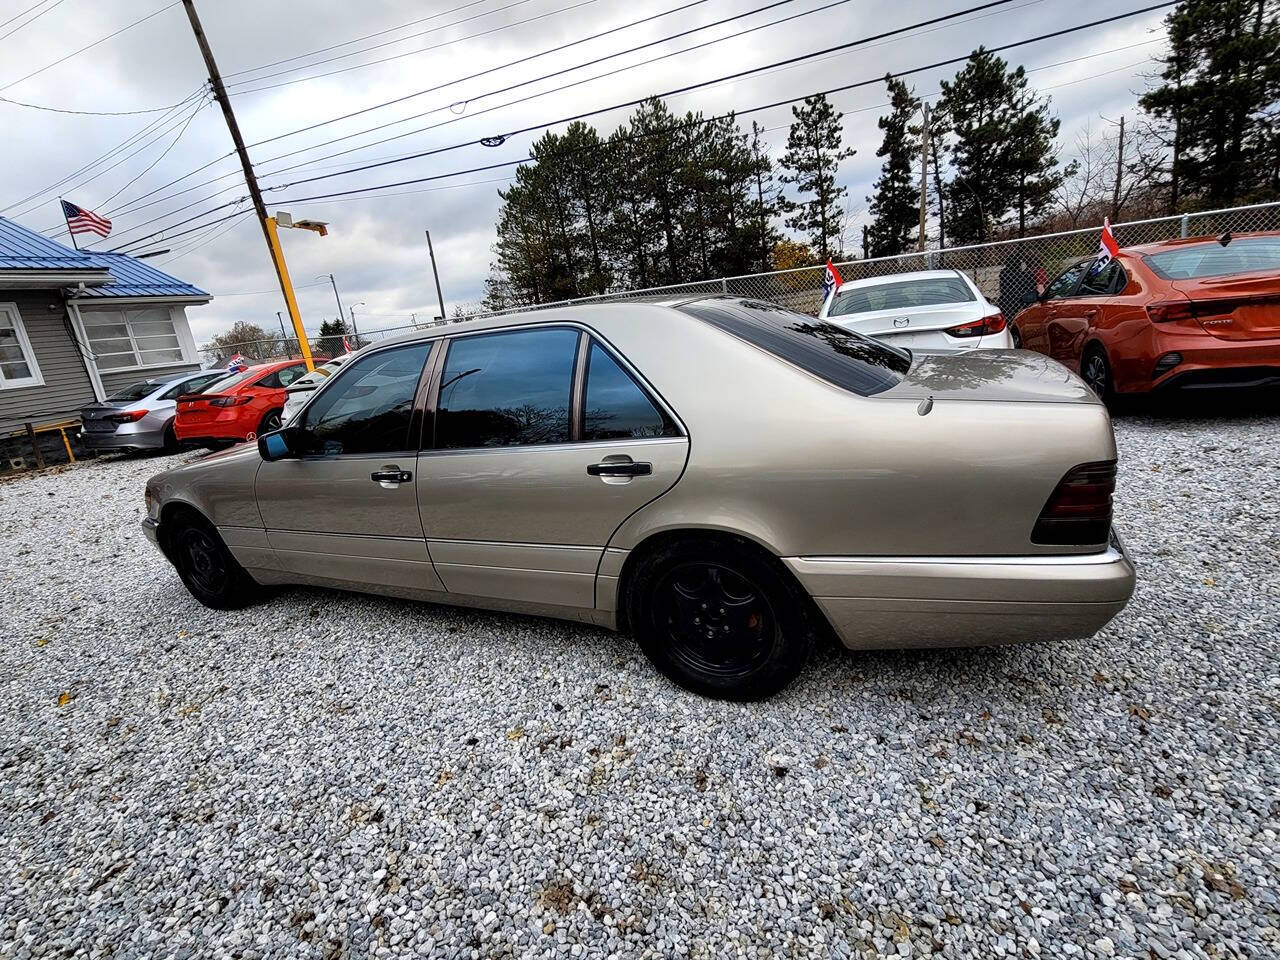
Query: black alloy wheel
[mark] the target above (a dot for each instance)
(717, 622)
(202, 560)
(1094, 372)
(205, 565)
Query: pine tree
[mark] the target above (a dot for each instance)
(763, 205)
(330, 340)
(1218, 102)
(895, 204)
(812, 160)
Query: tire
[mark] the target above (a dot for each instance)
(757, 633)
(270, 421)
(1096, 372)
(1016, 334)
(206, 566)
(170, 444)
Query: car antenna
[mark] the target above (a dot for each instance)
(1225, 238)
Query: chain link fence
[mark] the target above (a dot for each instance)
(1005, 271)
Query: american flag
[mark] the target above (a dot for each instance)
(80, 220)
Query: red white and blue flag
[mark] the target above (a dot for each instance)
(831, 279)
(237, 363)
(79, 220)
(1107, 246)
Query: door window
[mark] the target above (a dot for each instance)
(1065, 285)
(1105, 282)
(368, 408)
(194, 385)
(616, 406)
(282, 377)
(506, 389)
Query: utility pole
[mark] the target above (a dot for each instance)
(251, 181)
(435, 273)
(1115, 191)
(334, 283)
(924, 173)
(355, 334)
(279, 316)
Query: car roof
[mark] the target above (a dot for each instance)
(900, 278)
(1162, 245)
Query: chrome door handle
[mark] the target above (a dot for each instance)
(619, 468)
(391, 478)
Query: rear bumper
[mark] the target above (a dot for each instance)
(120, 439)
(220, 430)
(1209, 362)
(898, 602)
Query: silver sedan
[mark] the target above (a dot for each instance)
(722, 478)
(140, 417)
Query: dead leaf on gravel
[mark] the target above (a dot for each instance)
(1100, 677)
(1051, 716)
(1142, 713)
(443, 777)
(516, 733)
(65, 698)
(700, 781)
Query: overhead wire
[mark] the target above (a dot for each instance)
(23, 13)
(5, 36)
(164, 153)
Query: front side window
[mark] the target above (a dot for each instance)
(1065, 285)
(1106, 281)
(138, 337)
(616, 407)
(841, 357)
(136, 391)
(17, 359)
(901, 295)
(1242, 255)
(506, 389)
(282, 377)
(367, 410)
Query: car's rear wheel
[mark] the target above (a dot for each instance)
(1016, 335)
(270, 421)
(207, 567)
(719, 619)
(1096, 372)
(171, 444)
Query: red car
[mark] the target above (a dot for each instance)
(238, 407)
(1200, 312)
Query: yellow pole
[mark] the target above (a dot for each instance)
(286, 285)
(66, 443)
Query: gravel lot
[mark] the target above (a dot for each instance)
(330, 775)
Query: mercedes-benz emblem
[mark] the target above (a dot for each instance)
(901, 321)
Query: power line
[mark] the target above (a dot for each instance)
(24, 12)
(768, 106)
(164, 153)
(502, 66)
(57, 3)
(89, 113)
(90, 46)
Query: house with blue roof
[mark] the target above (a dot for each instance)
(78, 325)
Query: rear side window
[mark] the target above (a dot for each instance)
(282, 378)
(230, 381)
(1245, 255)
(839, 356)
(136, 391)
(194, 385)
(616, 407)
(506, 389)
(902, 295)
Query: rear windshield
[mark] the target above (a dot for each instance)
(901, 295)
(1212, 259)
(136, 391)
(231, 380)
(847, 359)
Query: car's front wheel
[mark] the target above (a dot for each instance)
(719, 619)
(206, 566)
(1096, 372)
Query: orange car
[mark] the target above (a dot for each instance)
(1191, 313)
(238, 407)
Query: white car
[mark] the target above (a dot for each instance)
(935, 310)
(300, 391)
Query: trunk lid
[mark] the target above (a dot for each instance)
(1000, 376)
(1241, 306)
(941, 316)
(197, 408)
(93, 418)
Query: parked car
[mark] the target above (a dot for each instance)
(237, 407)
(927, 310)
(716, 476)
(140, 417)
(1187, 313)
(300, 391)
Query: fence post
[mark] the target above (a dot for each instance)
(1184, 230)
(35, 445)
(724, 286)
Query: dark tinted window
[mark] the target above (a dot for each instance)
(1108, 280)
(847, 359)
(902, 295)
(190, 385)
(135, 391)
(282, 377)
(506, 389)
(231, 381)
(616, 407)
(367, 408)
(1065, 285)
(1245, 255)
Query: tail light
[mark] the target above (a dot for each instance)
(1079, 509)
(1171, 311)
(993, 323)
(131, 416)
(229, 401)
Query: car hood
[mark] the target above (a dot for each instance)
(993, 375)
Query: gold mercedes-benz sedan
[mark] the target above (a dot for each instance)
(722, 478)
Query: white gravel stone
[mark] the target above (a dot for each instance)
(331, 775)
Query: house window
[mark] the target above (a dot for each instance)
(17, 360)
(136, 337)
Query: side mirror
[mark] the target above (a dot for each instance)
(1030, 297)
(280, 444)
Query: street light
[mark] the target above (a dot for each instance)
(354, 332)
(270, 224)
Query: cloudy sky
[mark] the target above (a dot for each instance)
(267, 50)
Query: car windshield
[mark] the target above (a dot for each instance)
(900, 295)
(842, 357)
(317, 376)
(1212, 259)
(232, 380)
(135, 391)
